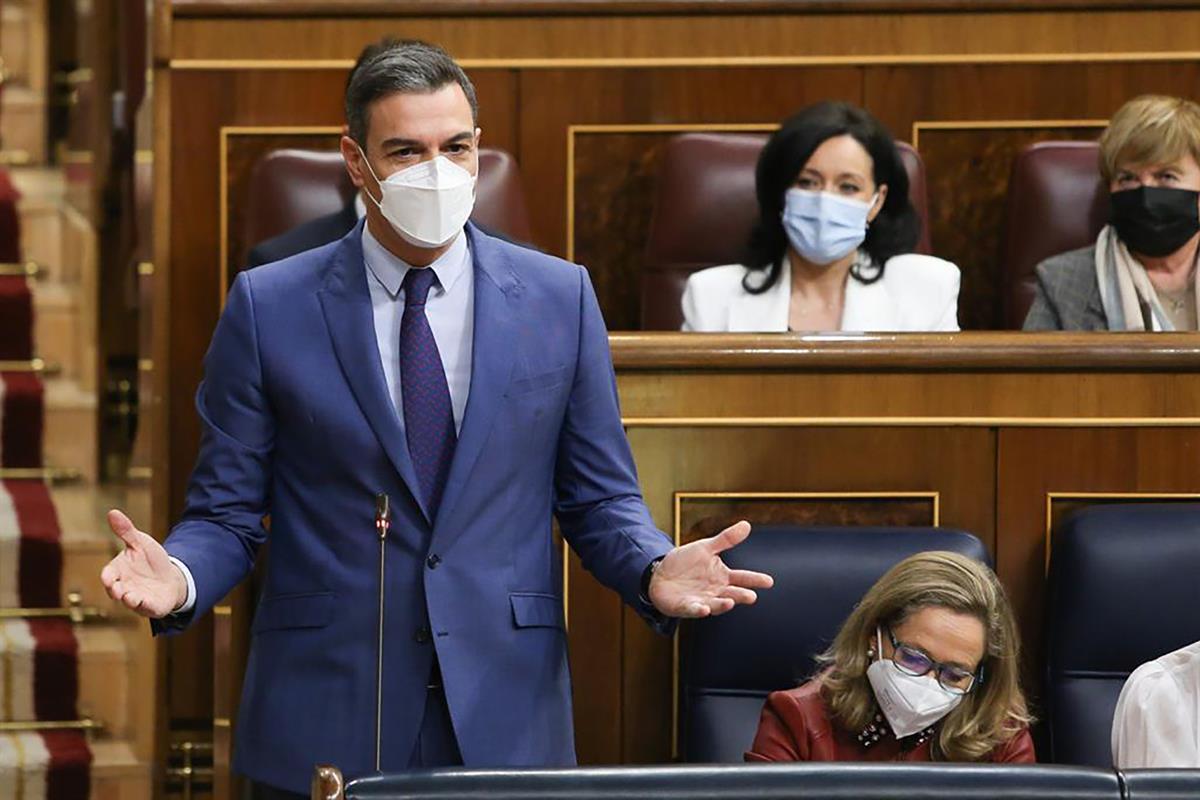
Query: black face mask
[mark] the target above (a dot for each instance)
(1154, 221)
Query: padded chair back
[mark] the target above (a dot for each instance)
(775, 782)
(705, 208)
(731, 662)
(1123, 590)
(290, 187)
(1056, 202)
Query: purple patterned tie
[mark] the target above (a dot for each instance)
(428, 415)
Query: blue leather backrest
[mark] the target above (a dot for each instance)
(1124, 589)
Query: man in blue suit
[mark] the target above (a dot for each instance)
(469, 380)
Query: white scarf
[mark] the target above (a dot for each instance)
(1126, 292)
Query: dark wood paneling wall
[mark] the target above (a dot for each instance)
(588, 142)
(957, 80)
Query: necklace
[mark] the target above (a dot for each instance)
(1177, 299)
(879, 729)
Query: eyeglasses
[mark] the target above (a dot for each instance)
(914, 662)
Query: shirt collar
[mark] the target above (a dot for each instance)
(389, 270)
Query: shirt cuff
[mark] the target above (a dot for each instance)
(190, 601)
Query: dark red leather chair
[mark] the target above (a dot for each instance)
(704, 211)
(290, 187)
(1057, 202)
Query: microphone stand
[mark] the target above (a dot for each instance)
(383, 521)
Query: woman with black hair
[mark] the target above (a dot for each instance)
(832, 246)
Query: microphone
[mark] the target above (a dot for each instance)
(383, 522)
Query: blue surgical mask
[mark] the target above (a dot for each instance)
(824, 227)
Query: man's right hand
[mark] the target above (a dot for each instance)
(142, 575)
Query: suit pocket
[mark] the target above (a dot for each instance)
(535, 383)
(537, 610)
(287, 611)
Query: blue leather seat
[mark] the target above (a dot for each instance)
(1160, 784)
(758, 781)
(730, 663)
(1123, 590)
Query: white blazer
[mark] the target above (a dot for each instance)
(916, 293)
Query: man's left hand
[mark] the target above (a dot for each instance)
(693, 581)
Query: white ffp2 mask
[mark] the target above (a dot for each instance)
(427, 203)
(911, 703)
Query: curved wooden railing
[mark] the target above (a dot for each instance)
(914, 352)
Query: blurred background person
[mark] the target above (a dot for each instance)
(1157, 720)
(1140, 275)
(924, 669)
(832, 248)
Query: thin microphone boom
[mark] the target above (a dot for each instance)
(383, 521)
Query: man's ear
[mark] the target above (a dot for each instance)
(354, 161)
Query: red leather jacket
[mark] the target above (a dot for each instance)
(796, 726)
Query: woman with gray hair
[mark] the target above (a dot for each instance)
(1140, 275)
(924, 669)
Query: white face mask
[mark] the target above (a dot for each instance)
(427, 203)
(911, 703)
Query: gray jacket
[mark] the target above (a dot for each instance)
(1067, 296)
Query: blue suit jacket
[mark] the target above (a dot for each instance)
(298, 425)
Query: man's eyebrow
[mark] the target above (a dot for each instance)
(459, 137)
(399, 142)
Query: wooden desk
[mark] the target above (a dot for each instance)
(999, 434)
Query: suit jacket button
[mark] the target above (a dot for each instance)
(433, 561)
(423, 636)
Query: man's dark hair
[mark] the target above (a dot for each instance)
(393, 65)
(895, 229)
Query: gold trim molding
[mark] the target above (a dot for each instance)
(675, 62)
(1051, 497)
(999, 125)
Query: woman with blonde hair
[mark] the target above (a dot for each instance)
(1140, 275)
(924, 669)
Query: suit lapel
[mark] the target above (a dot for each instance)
(868, 307)
(346, 305)
(763, 312)
(492, 358)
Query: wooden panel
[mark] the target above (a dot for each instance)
(700, 515)
(291, 8)
(697, 35)
(1033, 466)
